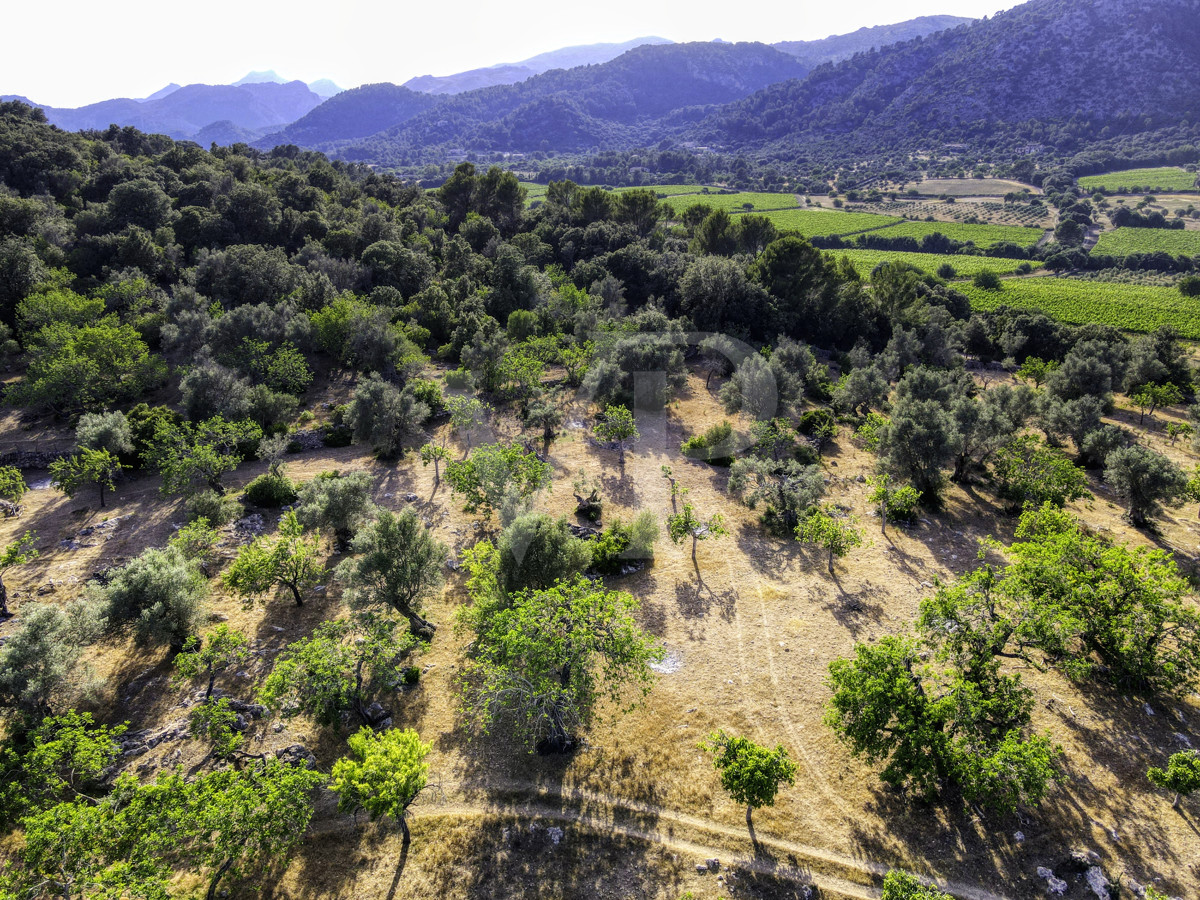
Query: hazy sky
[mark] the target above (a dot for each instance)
(79, 51)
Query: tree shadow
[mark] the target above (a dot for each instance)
(697, 601)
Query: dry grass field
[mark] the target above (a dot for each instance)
(749, 637)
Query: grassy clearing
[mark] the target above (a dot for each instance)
(1131, 307)
(964, 266)
(1125, 241)
(972, 187)
(980, 235)
(1167, 178)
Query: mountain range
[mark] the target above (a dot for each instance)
(1101, 67)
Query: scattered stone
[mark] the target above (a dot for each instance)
(309, 439)
(1148, 709)
(410, 497)
(555, 834)
(277, 628)
(1055, 886)
(713, 864)
(453, 564)
(297, 755)
(584, 532)
(701, 869)
(1079, 861)
(861, 479)
(1097, 881)
(251, 524)
(1182, 738)
(278, 727)
(1019, 836)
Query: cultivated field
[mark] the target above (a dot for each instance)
(1124, 241)
(746, 201)
(982, 236)
(1168, 178)
(972, 187)
(992, 212)
(964, 266)
(827, 223)
(1131, 307)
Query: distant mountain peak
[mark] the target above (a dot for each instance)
(163, 92)
(324, 88)
(269, 75)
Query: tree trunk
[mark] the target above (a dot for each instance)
(212, 678)
(694, 542)
(1175, 802)
(406, 838)
(217, 876)
(101, 486)
(420, 627)
(4, 613)
(295, 593)
(830, 562)
(883, 515)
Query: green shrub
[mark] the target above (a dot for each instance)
(271, 491)
(218, 509)
(337, 436)
(429, 393)
(987, 280)
(817, 421)
(620, 543)
(412, 675)
(868, 433)
(902, 504)
(713, 446)
(1190, 286)
(459, 380)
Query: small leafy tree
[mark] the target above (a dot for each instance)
(217, 721)
(225, 648)
(896, 502)
(898, 885)
(12, 484)
(190, 455)
(1182, 775)
(1028, 473)
(617, 426)
(18, 552)
(383, 774)
(1146, 480)
(544, 663)
(785, 490)
(1036, 370)
(197, 541)
(345, 666)
(837, 535)
(239, 821)
(71, 474)
(432, 453)
(290, 560)
(751, 773)
(397, 564)
(1176, 430)
(1150, 397)
(495, 473)
(466, 413)
(686, 523)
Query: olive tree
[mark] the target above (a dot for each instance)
(340, 502)
(396, 564)
(1146, 479)
(384, 416)
(686, 523)
(160, 593)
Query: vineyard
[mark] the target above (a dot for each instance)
(1136, 181)
(993, 212)
(980, 235)
(865, 261)
(1126, 306)
(827, 223)
(1125, 241)
(735, 203)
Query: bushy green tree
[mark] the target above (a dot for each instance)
(896, 502)
(396, 565)
(340, 502)
(160, 593)
(40, 663)
(291, 560)
(497, 476)
(686, 523)
(537, 550)
(544, 663)
(1028, 473)
(837, 535)
(346, 666)
(385, 416)
(383, 774)
(899, 885)
(224, 648)
(191, 455)
(105, 431)
(751, 773)
(1181, 776)
(70, 474)
(617, 426)
(16, 553)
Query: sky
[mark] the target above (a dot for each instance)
(75, 52)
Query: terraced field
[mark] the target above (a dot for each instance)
(964, 266)
(982, 236)
(1125, 241)
(1168, 178)
(1130, 307)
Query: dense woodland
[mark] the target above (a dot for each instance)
(175, 308)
